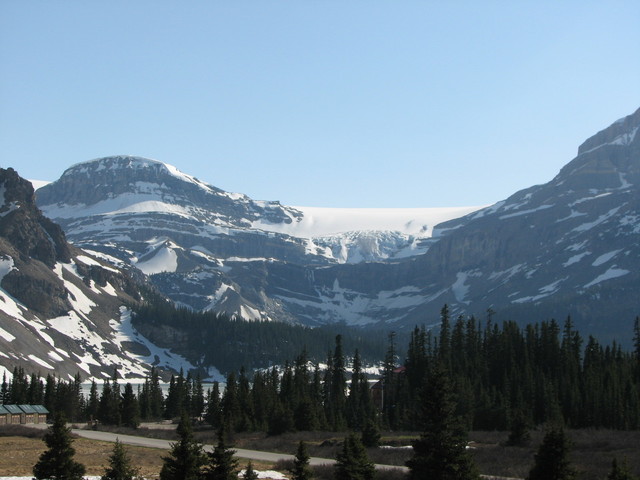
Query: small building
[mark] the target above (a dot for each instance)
(23, 414)
(41, 413)
(29, 414)
(15, 416)
(4, 415)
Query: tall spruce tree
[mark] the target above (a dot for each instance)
(301, 469)
(222, 465)
(129, 408)
(352, 463)
(250, 473)
(57, 461)
(120, 467)
(186, 457)
(552, 459)
(620, 472)
(440, 452)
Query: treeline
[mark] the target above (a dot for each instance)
(504, 377)
(215, 339)
(509, 375)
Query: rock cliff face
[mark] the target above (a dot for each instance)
(62, 310)
(568, 247)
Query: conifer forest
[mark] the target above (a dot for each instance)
(504, 377)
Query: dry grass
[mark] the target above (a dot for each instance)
(591, 453)
(20, 448)
(19, 454)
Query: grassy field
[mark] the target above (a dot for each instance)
(592, 451)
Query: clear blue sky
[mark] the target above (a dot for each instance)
(318, 103)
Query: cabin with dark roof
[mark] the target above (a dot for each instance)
(22, 414)
(15, 414)
(4, 415)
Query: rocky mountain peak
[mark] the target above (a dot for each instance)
(608, 160)
(24, 226)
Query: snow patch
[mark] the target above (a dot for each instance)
(525, 212)
(6, 335)
(602, 218)
(318, 221)
(613, 272)
(575, 258)
(605, 258)
(165, 260)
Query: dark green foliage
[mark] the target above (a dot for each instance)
(301, 469)
(120, 467)
(552, 459)
(221, 465)
(186, 458)
(620, 472)
(352, 463)
(129, 408)
(216, 339)
(250, 473)
(371, 434)
(519, 434)
(440, 452)
(57, 461)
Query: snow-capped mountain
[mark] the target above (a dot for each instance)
(568, 247)
(210, 249)
(63, 309)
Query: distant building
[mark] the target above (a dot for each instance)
(22, 414)
(377, 389)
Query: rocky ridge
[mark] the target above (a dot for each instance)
(63, 310)
(568, 247)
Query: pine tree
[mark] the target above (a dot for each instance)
(620, 472)
(4, 390)
(552, 459)
(250, 473)
(129, 408)
(120, 467)
(519, 434)
(57, 461)
(371, 434)
(222, 465)
(440, 452)
(93, 402)
(301, 469)
(213, 413)
(186, 456)
(352, 463)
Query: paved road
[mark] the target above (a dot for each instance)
(240, 452)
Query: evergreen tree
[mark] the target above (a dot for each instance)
(552, 459)
(57, 461)
(222, 465)
(301, 469)
(93, 403)
(120, 467)
(186, 456)
(352, 463)
(4, 390)
(213, 413)
(338, 397)
(620, 472)
(250, 473)
(519, 434)
(129, 408)
(440, 452)
(371, 434)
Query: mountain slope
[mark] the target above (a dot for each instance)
(209, 249)
(568, 247)
(62, 310)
